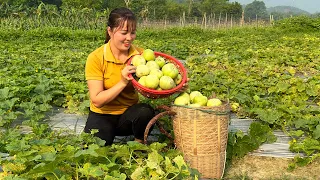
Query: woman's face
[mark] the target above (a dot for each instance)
(122, 38)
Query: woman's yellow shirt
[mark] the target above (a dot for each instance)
(103, 66)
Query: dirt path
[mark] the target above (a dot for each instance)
(270, 168)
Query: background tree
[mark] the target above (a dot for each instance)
(317, 14)
(190, 2)
(111, 4)
(256, 8)
(195, 10)
(213, 6)
(140, 8)
(58, 3)
(96, 4)
(235, 9)
(26, 3)
(174, 10)
(158, 9)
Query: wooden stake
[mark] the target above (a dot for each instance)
(226, 20)
(219, 20)
(214, 20)
(231, 21)
(242, 19)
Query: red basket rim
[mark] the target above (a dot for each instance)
(181, 68)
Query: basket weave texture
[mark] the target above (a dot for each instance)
(201, 134)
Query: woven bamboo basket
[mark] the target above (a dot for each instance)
(201, 134)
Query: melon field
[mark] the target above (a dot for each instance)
(273, 73)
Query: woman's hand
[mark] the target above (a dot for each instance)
(129, 69)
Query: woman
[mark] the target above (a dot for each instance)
(114, 107)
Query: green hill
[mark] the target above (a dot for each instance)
(287, 10)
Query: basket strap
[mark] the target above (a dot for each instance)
(164, 107)
(153, 121)
(163, 131)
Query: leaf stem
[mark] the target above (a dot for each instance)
(77, 173)
(55, 175)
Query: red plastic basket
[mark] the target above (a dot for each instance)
(154, 94)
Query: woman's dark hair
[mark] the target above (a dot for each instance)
(118, 17)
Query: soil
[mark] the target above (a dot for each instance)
(270, 168)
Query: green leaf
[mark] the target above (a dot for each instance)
(49, 156)
(297, 133)
(240, 134)
(63, 177)
(183, 167)
(300, 123)
(17, 146)
(44, 168)
(157, 146)
(302, 161)
(169, 166)
(90, 151)
(121, 176)
(37, 158)
(261, 133)
(40, 89)
(9, 103)
(172, 153)
(312, 91)
(316, 132)
(301, 86)
(256, 97)
(14, 177)
(121, 151)
(180, 162)
(138, 173)
(91, 170)
(154, 160)
(269, 115)
(283, 86)
(134, 145)
(14, 167)
(4, 93)
(243, 146)
(44, 107)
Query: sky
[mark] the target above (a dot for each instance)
(311, 6)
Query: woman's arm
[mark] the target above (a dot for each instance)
(99, 96)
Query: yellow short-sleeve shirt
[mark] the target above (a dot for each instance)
(102, 65)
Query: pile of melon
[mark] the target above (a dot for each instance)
(196, 99)
(155, 72)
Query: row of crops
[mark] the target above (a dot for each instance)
(274, 75)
